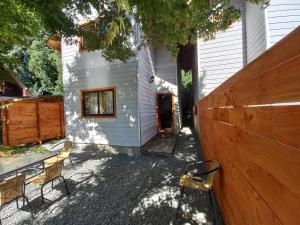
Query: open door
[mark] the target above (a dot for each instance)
(165, 113)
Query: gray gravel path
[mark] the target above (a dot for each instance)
(116, 189)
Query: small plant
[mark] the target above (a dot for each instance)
(6, 150)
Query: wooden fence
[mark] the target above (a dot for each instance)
(31, 121)
(257, 140)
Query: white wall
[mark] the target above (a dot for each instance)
(255, 31)
(283, 16)
(166, 80)
(91, 70)
(220, 58)
(146, 94)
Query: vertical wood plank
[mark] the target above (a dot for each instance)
(38, 122)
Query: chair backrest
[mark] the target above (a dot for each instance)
(54, 170)
(67, 149)
(11, 189)
(212, 167)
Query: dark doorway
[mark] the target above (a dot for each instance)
(165, 109)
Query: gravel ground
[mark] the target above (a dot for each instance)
(113, 189)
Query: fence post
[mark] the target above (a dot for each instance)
(5, 121)
(38, 122)
(60, 119)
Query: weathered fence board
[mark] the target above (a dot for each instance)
(258, 146)
(32, 121)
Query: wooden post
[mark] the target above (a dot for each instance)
(60, 119)
(38, 122)
(4, 125)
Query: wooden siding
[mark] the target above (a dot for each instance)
(255, 31)
(147, 94)
(27, 122)
(253, 129)
(283, 16)
(90, 70)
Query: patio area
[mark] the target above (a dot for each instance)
(111, 188)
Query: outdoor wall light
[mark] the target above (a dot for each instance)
(151, 80)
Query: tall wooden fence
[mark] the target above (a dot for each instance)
(32, 121)
(257, 140)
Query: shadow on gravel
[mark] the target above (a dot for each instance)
(112, 189)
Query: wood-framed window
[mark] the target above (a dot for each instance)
(99, 102)
(88, 26)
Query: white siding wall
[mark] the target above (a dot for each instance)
(220, 58)
(90, 70)
(283, 16)
(255, 31)
(147, 94)
(166, 79)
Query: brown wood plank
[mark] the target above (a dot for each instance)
(277, 85)
(50, 120)
(238, 192)
(280, 123)
(269, 167)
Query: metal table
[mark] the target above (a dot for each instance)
(10, 165)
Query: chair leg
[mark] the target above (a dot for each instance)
(179, 203)
(17, 202)
(24, 194)
(52, 184)
(71, 163)
(67, 189)
(212, 206)
(42, 194)
(29, 206)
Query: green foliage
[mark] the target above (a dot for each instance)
(38, 67)
(186, 79)
(18, 26)
(171, 23)
(44, 67)
(43, 71)
(22, 149)
(186, 97)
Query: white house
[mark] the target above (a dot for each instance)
(119, 104)
(258, 29)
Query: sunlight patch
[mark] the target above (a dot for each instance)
(165, 195)
(186, 130)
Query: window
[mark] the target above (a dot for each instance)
(87, 26)
(99, 102)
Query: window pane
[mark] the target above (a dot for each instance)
(106, 102)
(91, 103)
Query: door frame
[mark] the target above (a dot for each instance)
(158, 118)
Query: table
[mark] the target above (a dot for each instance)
(9, 165)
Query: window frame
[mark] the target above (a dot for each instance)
(84, 25)
(96, 90)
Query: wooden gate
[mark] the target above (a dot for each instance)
(31, 121)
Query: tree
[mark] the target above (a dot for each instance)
(169, 22)
(39, 68)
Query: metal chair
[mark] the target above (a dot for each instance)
(64, 154)
(12, 190)
(50, 174)
(195, 179)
